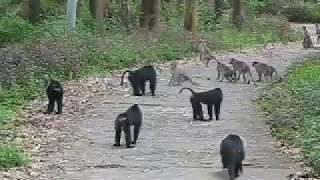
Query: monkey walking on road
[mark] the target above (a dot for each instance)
(212, 98)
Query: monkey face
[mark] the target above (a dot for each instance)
(254, 63)
(231, 61)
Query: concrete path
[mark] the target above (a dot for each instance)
(168, 147)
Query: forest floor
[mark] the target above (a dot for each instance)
(78, 144)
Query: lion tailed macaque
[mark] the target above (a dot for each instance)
(212, 98)
(55, 95)
(239, 68)
(179, 76)
(266, 70)
(132, 117)
(232, 154)
(307, 42)
(139, 77)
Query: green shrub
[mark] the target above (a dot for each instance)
(293, 107)
(10, 156)
(13, 29)
(303, 13)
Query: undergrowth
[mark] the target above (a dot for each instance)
(294, 110)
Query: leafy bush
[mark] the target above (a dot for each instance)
(10, 156)
(303, 13)
(293, 107)
(13, 29)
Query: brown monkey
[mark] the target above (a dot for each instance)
(266, 70)
(239, 68)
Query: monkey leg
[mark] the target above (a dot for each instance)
(60, 104)
(50, 105)
(238, 78)
(128, 135)
(194, 110)
(217, 110)
(260, 77)
(244, 77)
(209, 106)
(152, 87)
(199, 107)
(218, 77)
(231, 171)
(117, 137)
(142, 87)
(135, 134)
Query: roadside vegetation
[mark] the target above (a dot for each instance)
(293, 107)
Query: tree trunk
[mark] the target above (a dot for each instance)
(100, 12)
(33, 11)
(93, 8)
(125, 14)
(71, 14)
(190, 15)
(276, 5)
(218, 8)
(150, 17)
(238, 15)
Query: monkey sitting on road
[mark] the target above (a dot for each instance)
(239, 68)
(232, 154)
(265, 70)
(179, 76)
(224, 71)
(204, 52)
(212, 98)
(307, 42)
(139, 77)
(55, 95)
(132, 117)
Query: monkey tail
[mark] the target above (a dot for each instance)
(192, 91)
(211, 58)
(127, 71)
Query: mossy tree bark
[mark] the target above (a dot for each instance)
(190, 15)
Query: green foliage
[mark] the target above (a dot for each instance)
(303, 13)
(10, 156)
(293, 107)
(13, 29)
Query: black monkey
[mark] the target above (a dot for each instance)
(232, 154)
(132, 117)
(55, 95)
(139, 77)
(210, 98)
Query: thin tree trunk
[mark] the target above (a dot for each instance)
(125, 14)
(92, 8)
(218, 8)
(150, 17)
(154, 23)
(276, 5)
(238, 15)
(71, 14)
(33, 11)
(100, 16)
(190, 16)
